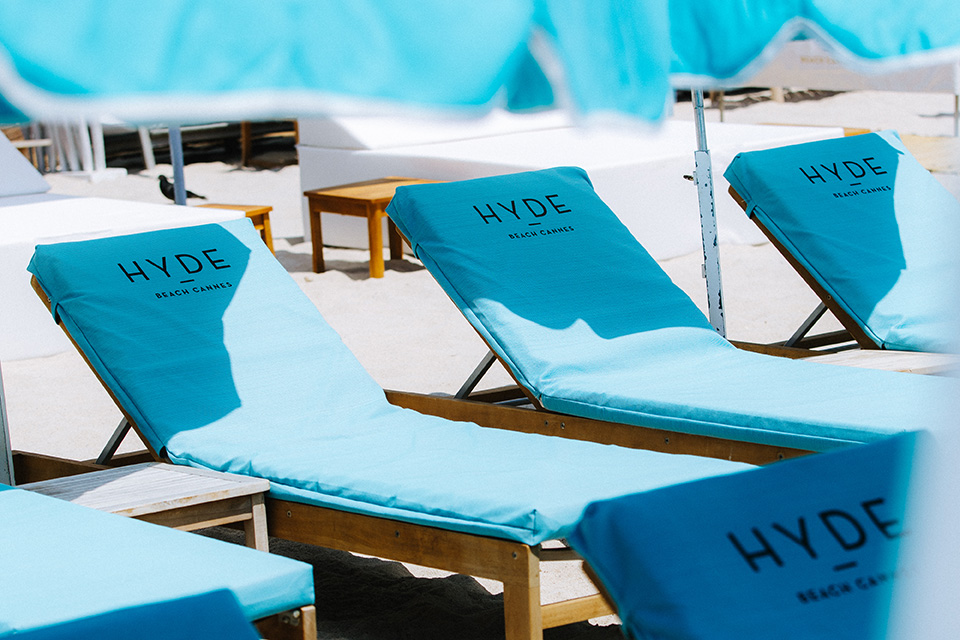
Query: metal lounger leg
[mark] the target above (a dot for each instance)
(807, 324)
(114, 442)
(477, 374)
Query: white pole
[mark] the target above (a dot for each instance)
(84, 146)
(147, 145)
(6, 458)
(703, 175)
(97, 144)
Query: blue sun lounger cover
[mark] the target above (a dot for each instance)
(809, 547)
(211, 616)
(591, 326)
(871, 226)
(61, 562)
(224, 363)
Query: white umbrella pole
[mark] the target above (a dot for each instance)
(176, 159)
(6, 459)
(703, 175)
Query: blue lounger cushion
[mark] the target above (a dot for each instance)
(590, 325)
(211, 616)
(63, 562)
(810, 546)
(870, 224)
(224, 363)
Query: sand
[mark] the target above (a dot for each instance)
(410, 337)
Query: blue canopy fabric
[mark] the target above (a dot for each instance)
(730, 40)
(62, 562)
(591, 326)
(190, 60)
(808, 548)
(222, 362)
(870, 225)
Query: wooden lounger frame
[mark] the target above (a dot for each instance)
(515, 564)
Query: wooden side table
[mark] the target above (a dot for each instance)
(170, 495)
(368, 200)
(259, 215)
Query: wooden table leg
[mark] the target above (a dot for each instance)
(255, 529)
(246, 142)
(375, 232)
(316, 237)
(396, 241)
(267, 232)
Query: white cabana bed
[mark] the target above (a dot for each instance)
(640, 173)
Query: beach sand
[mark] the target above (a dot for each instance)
(411, 337)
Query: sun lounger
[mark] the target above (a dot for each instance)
(218, 359)
(211, 616)
(590, 326)
(809, 546)
(62, 563)
(868, 228)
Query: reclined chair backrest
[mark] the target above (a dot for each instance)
(242, 350)
(871, 230)
(810, 545)
(587, 321)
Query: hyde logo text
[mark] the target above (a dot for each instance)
(765, 546)
(180, 266)
(843, 171)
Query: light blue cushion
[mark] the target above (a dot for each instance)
(212, 616)
(808, 546)
(587, 321)
(870, 224)
(62, 562)
(249, 378)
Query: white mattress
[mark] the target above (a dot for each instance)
(638, 174)
(26, 328)
(31, 198)
(383, 132)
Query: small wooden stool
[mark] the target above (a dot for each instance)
(170, 495)
(368, 200)
(258, 214)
